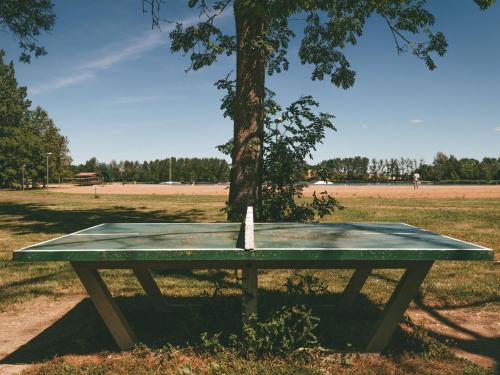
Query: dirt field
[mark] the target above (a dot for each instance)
(340, 191)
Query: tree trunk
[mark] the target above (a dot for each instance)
(247, 154)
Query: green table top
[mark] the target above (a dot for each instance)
(273, 242)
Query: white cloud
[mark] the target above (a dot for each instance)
(364, 126)
(62, 82)
(416, 121)
(497, 129)
(134, 49)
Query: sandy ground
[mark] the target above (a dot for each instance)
(340, 191)
(473, 335)
(25, 321)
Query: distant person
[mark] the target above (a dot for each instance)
(416, 180)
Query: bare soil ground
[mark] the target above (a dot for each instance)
(472, 334)
(340, 191)
(23, 322)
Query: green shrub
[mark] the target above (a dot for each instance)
(287, 330)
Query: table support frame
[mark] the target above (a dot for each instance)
(249, 284)
(148, 283)
(405, 291)
(395, 308)
(353, 289)
(106, 306)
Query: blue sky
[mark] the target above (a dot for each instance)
(113, 87)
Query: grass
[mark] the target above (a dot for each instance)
(28, 217)
(175, 361)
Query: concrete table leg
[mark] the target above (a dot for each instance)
(249, 285)
(353, 288)
(403, 294)
(149, 285)
(106, 306)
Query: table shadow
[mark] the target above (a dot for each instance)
(81, 331)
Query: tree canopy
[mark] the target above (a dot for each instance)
(26, 135)
(329, 26)
(25, 20)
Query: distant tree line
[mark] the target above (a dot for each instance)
(211, 170)
(27, 137)
(449, 168)
(443, 168)
(360, 168)
(197, 170)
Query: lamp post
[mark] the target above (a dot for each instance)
(121, 168)
(48, 154)
(22, 171)
(277, 122)
(170, 169)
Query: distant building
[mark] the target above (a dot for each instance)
(87, 178)
(311, 173)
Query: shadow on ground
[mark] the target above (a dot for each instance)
(81, 331)
(475, 342)
(39, 218)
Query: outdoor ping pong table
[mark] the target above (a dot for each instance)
(248, 246)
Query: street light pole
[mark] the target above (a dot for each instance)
(48, 154)
(170, 169)
(22, 170)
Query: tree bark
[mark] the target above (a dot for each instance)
(247, 154)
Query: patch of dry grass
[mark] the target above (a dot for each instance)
(175, 361)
